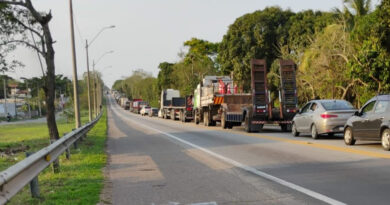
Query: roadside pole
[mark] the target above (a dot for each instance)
(75, 86)
(39, 102)
(88, 84)
(5, 96)
(94, 89)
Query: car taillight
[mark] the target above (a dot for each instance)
(189, 108)
(327, 116)
(261, 110)
(291, 110)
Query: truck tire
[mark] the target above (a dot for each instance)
(196, 117)
(206, 119)
(173, 115)
(182, 117)
(248, 127)
(256, 128)
(283, 127)
(224, 124)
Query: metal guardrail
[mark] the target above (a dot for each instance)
(13, 179)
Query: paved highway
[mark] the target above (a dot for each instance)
(156, 161)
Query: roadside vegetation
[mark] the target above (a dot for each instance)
(17, 139)
(342, 54)
(80, 180)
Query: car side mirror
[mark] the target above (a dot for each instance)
(299, 111)
(357, 113)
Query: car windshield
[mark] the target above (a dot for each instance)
(337, 105)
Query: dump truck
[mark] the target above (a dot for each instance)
(216, 99)
(263, 110)
(175, 107)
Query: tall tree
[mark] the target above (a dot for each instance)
(24, 20)
(358, 7)
(255, 35)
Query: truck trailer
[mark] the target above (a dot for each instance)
(263, 110)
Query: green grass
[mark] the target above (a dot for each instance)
(28, 137)
(80, 180)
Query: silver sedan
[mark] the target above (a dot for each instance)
(322, 117)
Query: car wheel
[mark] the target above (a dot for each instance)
(294, 130)
(348, 137)
(386, 139)
(314, 132)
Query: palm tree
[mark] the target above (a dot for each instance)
(358, 7)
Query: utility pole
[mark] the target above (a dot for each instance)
(88, 82)
(94, 89)
(5, 96)
(75, 86)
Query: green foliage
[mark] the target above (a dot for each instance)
(254, 35)
(184, 75)
(165, 78)
(80, 180)
(140, 85)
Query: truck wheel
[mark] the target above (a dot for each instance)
(206, 119)
(181, 118)
(173, 115)
(224, 124)
(196, 118)
(256, 128)
(283, 127)
(247, 125)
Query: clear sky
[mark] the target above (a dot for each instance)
(147, 31)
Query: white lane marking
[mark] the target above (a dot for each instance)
(290, 185)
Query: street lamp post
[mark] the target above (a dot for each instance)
(95, 79)
(75, 86)
(88, 76)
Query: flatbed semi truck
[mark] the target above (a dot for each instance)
(263, 110)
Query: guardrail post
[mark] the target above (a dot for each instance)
(56, 162)
(67, 153)
(34, 186)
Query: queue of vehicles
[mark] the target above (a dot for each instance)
(218, 100)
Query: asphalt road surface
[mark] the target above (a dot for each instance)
(164, 162)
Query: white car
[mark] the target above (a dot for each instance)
(145, 110)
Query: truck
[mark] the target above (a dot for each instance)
(263, 110)
(216, 99)
(174, 107)
(122, 101)
(137, 105)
